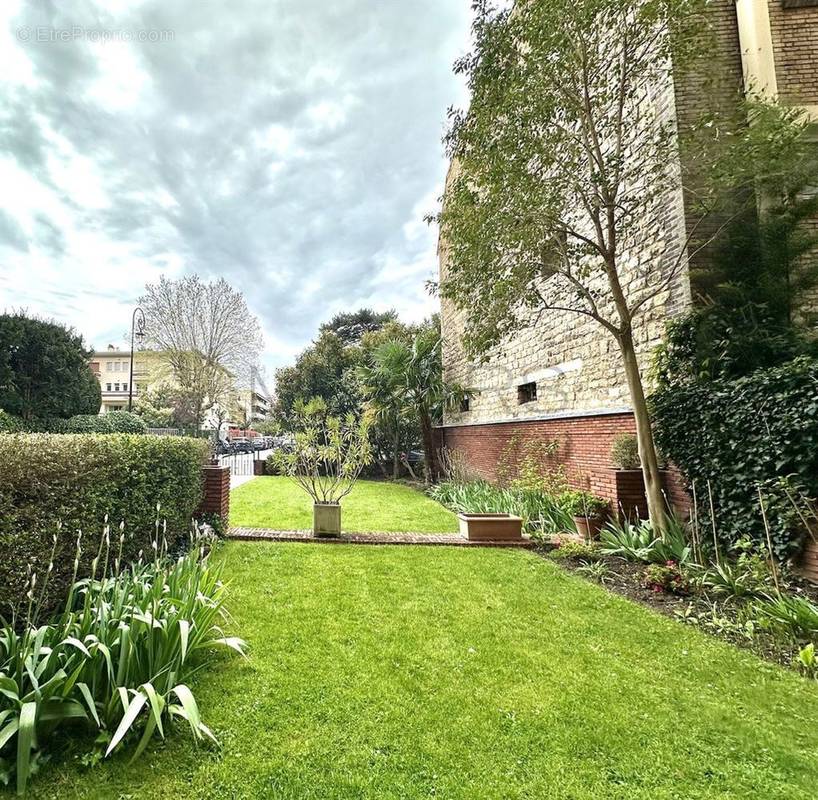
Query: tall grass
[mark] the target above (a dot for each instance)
(118, 658)
(542, 513)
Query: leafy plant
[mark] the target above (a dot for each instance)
(119, 656)
(791, 614)
(625, 451)
(807, 661)
(595, 570)
(572, 548)
(636, 541)
(667, 577)
(112, 422)
(583, 504)
(328, 453)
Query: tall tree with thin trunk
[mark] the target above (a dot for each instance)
(205, 330)
(564, 164)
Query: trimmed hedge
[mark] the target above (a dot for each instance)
(112, 422)
(77, 480)
(757, 431)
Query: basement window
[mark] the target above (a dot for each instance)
(465, 404)
(526, 393)
(799, 3)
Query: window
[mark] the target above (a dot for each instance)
(116, 387)
(107, 387)
(117, 366)
(526, 393)
(109, 366)
(465, 404)
(124, 387)
(799, 3)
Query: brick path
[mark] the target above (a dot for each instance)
(451, 539)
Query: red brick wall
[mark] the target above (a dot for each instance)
(583, 450)
(216, 498)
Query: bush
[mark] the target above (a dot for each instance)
(625, 451)
(10, 423)
(78, 480)
(571, 548)
(100, 664)
(112, 422)
(757, 431)
(584, 504)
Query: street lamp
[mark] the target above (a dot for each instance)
(138, 333)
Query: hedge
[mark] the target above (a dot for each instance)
(757, 431)
(77, 480)
(112, 422)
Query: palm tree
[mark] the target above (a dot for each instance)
(407, 379)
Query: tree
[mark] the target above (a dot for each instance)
(350, 327)
(565, 160)
(406, 379)
(203, 330)
(44, 370)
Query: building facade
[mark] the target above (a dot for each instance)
(560, 379)
(112, 367)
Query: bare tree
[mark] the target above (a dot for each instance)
(205, 331)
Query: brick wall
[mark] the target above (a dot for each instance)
(795, 46)
(216, 498)
(583, 449)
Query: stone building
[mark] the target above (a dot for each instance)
(560, 379)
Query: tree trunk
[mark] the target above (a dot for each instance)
(644, 434)
(396, 451)
(429, 452)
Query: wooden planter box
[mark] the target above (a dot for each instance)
(491, 527)
(808, 564)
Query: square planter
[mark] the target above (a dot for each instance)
(326, 519)
(491, 527)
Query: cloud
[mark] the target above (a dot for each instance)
(290, 147)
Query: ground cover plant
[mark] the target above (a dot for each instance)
(462, 673)
(117, 660)
(371, 507)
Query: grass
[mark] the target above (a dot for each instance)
(373, 506)
(412, 672)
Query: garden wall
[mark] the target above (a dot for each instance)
(583, 449)
(77, 480)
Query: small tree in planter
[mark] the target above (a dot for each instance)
(588, 511)
(625, 452)
(326, 460)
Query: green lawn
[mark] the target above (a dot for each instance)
(373, 506)
(413, 672)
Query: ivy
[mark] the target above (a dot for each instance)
(755, 434)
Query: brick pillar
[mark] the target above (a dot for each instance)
(216, 498)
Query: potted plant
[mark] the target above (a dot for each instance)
(325, 460)
(588, 510)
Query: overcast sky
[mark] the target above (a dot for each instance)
(290, 146)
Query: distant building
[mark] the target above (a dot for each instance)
(113, 370)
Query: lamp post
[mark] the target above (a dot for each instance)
(137, 332)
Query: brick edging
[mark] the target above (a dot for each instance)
(389, 539)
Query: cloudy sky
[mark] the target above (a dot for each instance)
(290, 146)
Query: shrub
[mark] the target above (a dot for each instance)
(117, 659)
(757, 431)
(112, 422)
(79, 479)
(9, 423)
(625, 451)
(584, 504)
(666, 577)
(571, 548)
(637, 541)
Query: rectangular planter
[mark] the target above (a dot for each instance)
(491, 527)
(326, 519)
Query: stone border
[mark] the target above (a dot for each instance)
(428, 539)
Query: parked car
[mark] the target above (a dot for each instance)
(242, 446)
(223, 447)
(259, 443)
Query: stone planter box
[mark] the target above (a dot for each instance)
(491, 527)
(326, 519)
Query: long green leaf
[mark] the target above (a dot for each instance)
(128, 719)
(26, 740)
